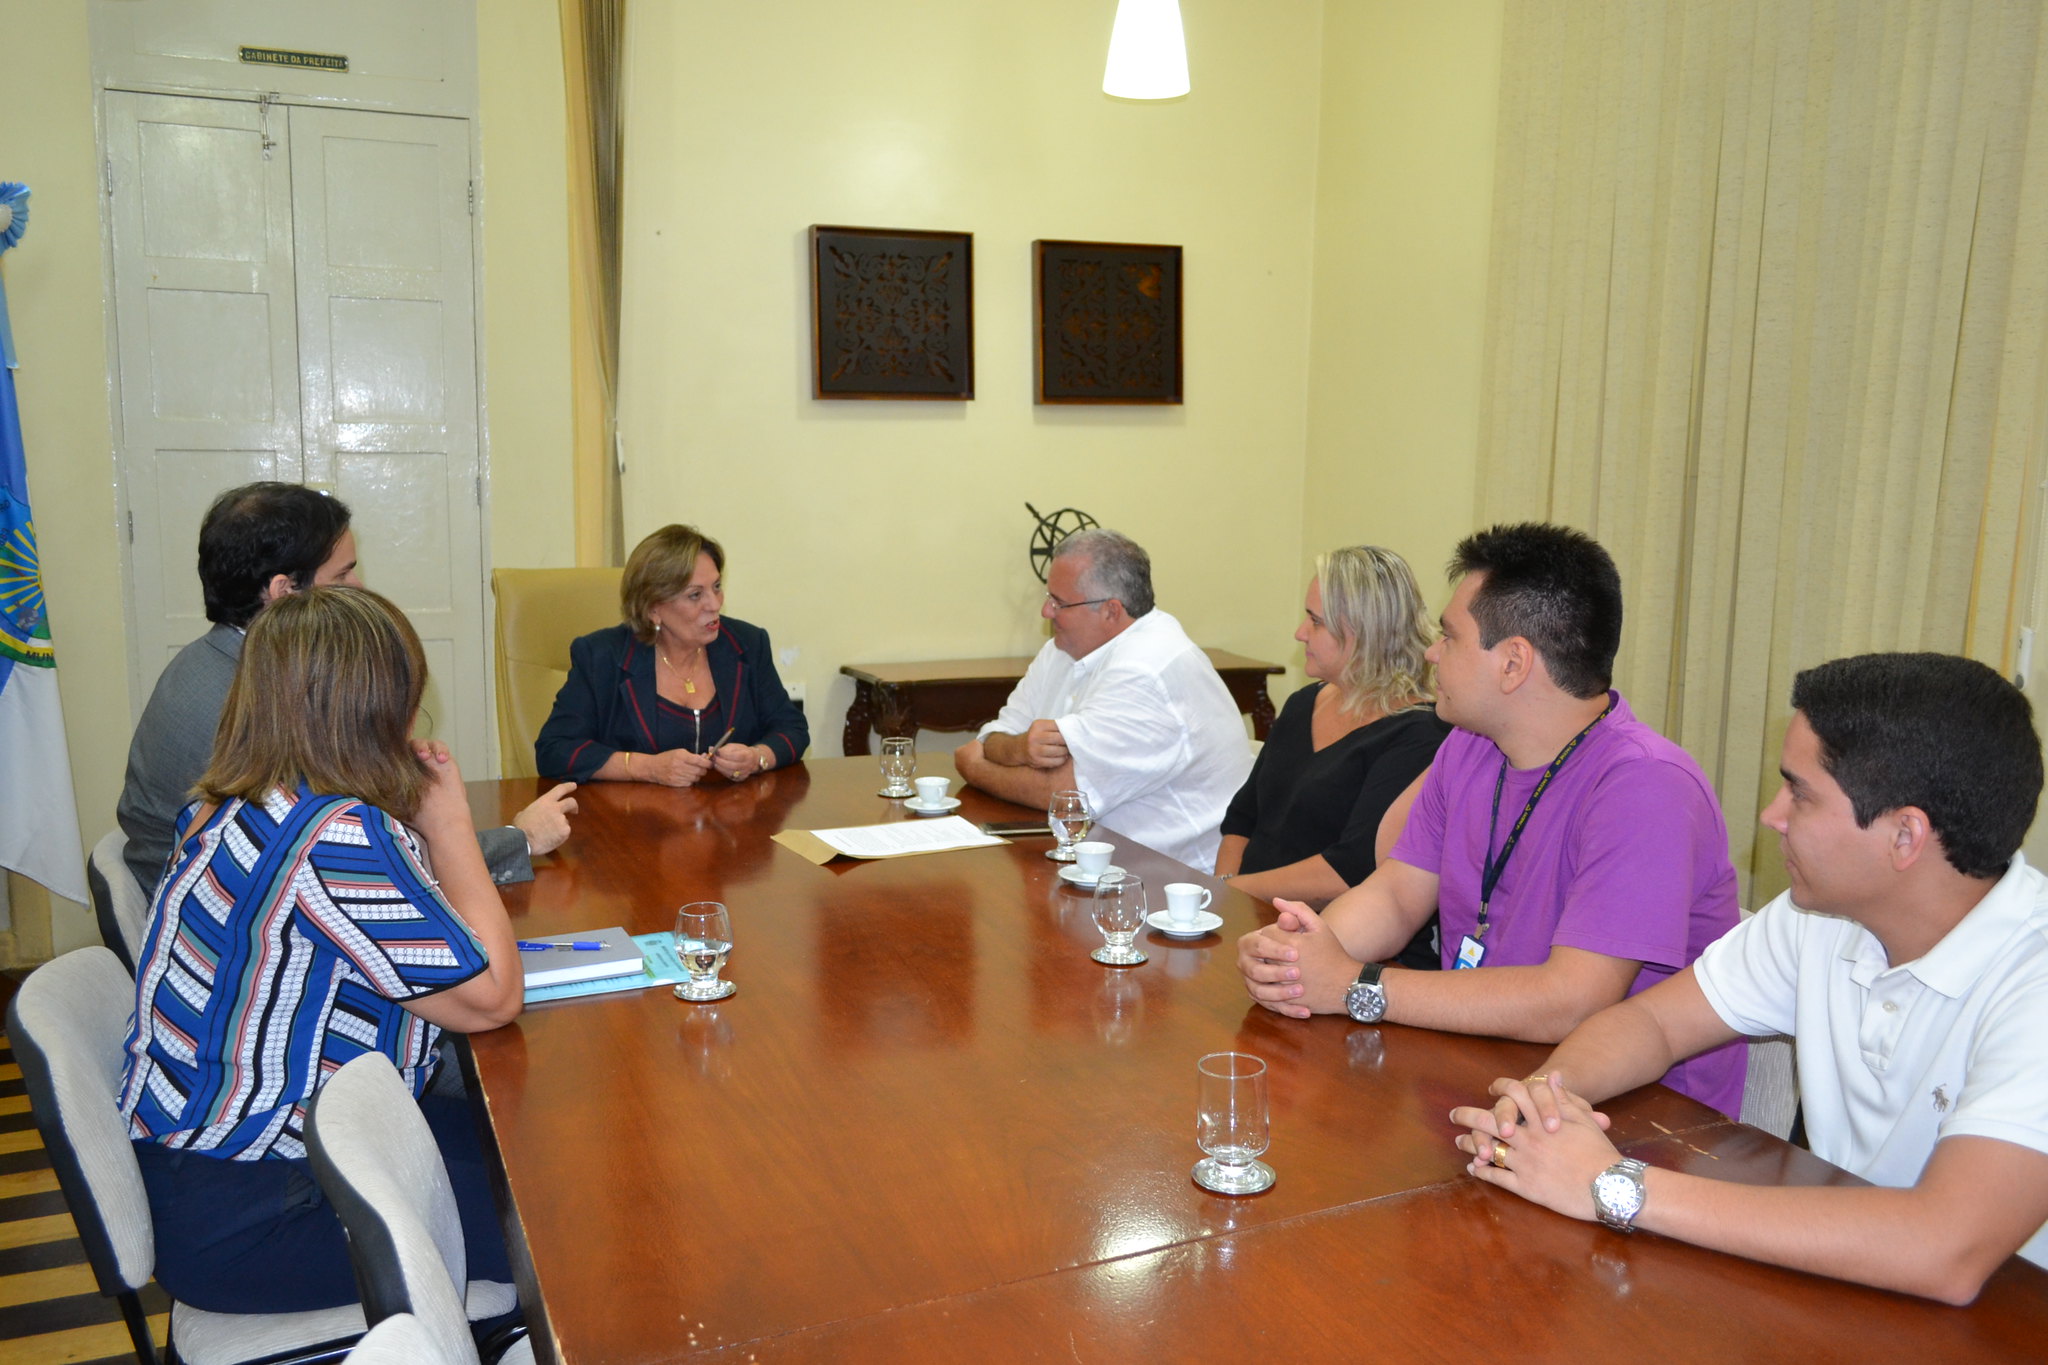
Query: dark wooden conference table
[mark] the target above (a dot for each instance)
(928, 1127)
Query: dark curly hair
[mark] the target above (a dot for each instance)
(255, 532)
(1557, 589)
(1942, 733)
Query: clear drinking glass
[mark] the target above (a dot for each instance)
(1231, 1124)
(1119, 1006)
(703, 938)
(1071, 818)
(1119, 909)
(899, 761)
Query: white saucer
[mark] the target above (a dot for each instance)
(1205, 922)
(1072, 873)
(950, 803)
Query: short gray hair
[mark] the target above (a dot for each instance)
(1117, 567)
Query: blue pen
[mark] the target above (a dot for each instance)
(579, 945)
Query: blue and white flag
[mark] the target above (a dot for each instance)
(38, 819)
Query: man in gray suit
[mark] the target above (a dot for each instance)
(257, 543)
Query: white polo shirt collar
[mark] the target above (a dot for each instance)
(1963, 954)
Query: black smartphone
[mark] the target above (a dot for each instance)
(1012, 829)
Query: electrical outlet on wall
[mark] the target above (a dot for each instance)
(785, 662)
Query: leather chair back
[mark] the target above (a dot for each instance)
(540, 611)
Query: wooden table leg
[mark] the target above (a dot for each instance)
(1248, 690)
(860, 718)
(1262, 713)
(895, 710)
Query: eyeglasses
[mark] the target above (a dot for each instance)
(1058, 605)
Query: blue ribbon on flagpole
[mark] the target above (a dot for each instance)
(24, 631)
(14, 208)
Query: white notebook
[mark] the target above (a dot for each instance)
(620, 956)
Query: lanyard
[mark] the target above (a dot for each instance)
(1490, 874)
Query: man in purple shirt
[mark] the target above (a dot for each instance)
(1574, 855)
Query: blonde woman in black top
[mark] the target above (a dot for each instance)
(1305, 823)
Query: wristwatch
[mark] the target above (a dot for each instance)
(1618, 1193)
(1366, 999)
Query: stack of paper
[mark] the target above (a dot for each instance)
(658, 967)
(898, 839)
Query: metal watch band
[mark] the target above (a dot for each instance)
(1618, 1193)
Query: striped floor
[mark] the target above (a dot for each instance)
(51, 1312)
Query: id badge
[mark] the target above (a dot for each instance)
(1471, 952)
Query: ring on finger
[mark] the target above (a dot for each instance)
(1500, 1155)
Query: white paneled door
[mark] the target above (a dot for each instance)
(293, 299)
(387, 378)
(206, 338)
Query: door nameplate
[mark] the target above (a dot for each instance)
(277, 56)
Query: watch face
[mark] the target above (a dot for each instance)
(1365, 1003)
(1619, 1196)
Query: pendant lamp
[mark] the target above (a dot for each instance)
(1148, 52)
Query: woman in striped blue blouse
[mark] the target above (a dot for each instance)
(301, 925)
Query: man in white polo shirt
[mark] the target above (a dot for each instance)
(1121, 705)
(1910, 963)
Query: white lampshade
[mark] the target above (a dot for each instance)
(1148, 52)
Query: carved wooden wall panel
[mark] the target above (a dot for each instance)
(892, 313)
(1108, 322)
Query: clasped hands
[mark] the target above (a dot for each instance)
(1295, 966)
(683, 767)
(1539, 1140)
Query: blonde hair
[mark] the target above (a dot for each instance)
(659, 568)
(325, 694)
(1372, 604)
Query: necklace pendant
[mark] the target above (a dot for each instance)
(689, 687)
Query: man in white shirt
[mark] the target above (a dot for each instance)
(1910, 963)
(1120, 705)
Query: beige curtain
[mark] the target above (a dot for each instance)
(593, 34)
(1767, 316)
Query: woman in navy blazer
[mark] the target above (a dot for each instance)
(678, 693)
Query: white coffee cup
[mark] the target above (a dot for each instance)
(931, 791)
(1092, 857)
(1185, 900)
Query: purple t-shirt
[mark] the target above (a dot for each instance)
(1626, 855)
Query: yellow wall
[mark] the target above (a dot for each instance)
(526, 282)
(54, 285)
(1403, 206)
(55, 282)
(1334, 160)
(896, 530)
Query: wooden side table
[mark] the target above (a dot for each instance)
(965, 694)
